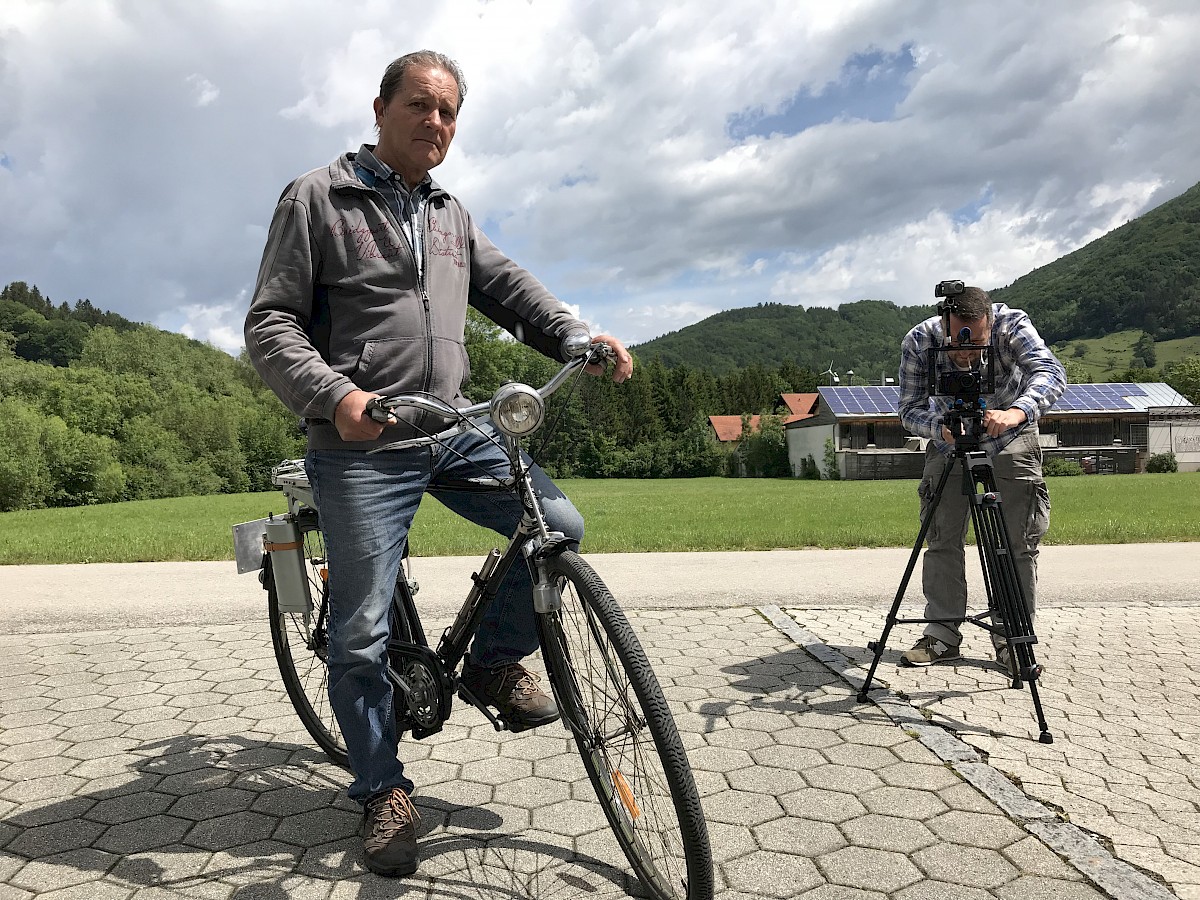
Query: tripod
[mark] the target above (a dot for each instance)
(1006, 614)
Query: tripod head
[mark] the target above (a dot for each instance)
(965, 422)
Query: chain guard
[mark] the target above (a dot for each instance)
(422, 691)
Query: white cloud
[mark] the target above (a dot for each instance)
(213, 325)
(601, 155)
(204, 91)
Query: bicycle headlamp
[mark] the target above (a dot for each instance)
(517, 410)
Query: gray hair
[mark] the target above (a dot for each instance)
(421, 59)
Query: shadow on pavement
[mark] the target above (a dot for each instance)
(803, 694)
(262, 819)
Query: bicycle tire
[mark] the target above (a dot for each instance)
(303, 660)
(612, 703)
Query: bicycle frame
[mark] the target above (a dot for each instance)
(531, 544)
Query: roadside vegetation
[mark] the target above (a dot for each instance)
(624, 516)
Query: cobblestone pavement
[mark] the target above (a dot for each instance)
(1121, 696)
(166, 762)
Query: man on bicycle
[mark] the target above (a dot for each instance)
(363, 291)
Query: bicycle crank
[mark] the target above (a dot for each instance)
(423, 692)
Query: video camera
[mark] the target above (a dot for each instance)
(948, 288)
(966, 385)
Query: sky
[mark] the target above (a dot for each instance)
(652, 163)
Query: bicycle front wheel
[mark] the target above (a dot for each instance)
(611, 702)
(302, 650)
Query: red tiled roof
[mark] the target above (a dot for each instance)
(801, 406)
(729, 428)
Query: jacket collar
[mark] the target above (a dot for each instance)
(342, 174)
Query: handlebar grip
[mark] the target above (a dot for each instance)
(377, 412)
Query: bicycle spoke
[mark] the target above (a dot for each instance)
(603, 704)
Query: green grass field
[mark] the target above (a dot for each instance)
(1112, 354)
(626, 516)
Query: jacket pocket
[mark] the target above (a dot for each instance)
(391, 366)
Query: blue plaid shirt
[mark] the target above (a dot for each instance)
(408, 206)
(1028, 377)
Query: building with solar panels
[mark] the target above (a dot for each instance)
(1106, 428)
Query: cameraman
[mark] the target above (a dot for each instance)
(1028, 379)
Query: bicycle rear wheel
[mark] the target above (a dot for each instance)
(611, 701)
(302, 649)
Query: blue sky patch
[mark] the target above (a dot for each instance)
(869, 87)
(973, 211)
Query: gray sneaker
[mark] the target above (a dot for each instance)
(1006, 660)
(927, 651)
(389, 833)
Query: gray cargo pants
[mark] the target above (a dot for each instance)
(1025, 505)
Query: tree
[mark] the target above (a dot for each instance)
(832, 472)
(765, 451)
(1134, 375)
(1143, 350)
(1184, 376)
(24, 478)
(1076, 373)
(82, 467)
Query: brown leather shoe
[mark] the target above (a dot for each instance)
(514, 691)
(389, 833)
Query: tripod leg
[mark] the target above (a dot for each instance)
(1005, 596)
(879, 645)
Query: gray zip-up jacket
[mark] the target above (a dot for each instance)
(339, 304)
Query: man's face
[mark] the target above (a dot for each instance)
(417, 125)
(980, 334)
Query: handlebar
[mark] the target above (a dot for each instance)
(380, 408)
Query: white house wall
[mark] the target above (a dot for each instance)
(1180, 439)
(809, 441)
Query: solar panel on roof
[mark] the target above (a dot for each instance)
(877, 400)
(860, 400)
(1095, 397)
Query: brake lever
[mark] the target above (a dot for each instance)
(376, 411)
(601, 354)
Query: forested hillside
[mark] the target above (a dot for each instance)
(95, 408)
(863, 336)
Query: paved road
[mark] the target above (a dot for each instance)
(147, 751)
(97, 595)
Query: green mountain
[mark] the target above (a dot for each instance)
(1144, 276)
(863, 336)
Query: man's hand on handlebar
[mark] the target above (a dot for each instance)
(622, 361)
(353, 421)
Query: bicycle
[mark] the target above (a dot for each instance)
(608, 696)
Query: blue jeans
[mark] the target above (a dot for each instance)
(366, 504)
